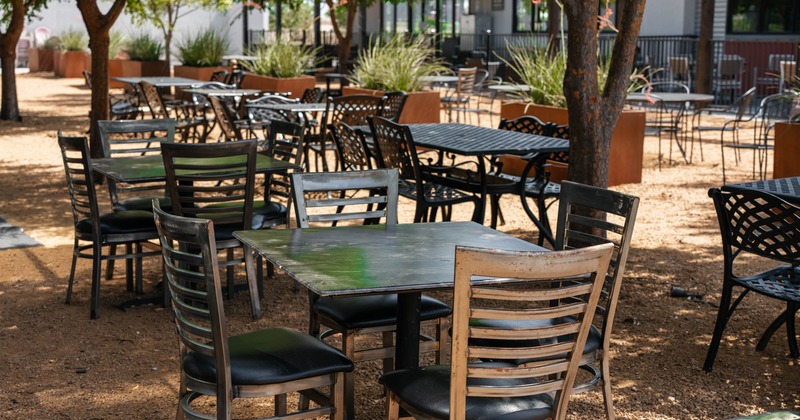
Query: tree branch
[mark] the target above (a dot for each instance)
(623, 53)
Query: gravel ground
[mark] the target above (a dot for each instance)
(60, 364)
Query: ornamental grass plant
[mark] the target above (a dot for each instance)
(281, 59)
(398, 64)
(204, 49)
(73, 40)
(144, 47)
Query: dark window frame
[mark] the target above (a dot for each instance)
(761, 20)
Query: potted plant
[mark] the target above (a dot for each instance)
(70, 58)
(400, 65)
(201, 55)
(144, 53)
(280, 67)
(43, 58)
(544, 74)
(787, 149)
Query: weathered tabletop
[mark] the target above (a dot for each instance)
(151, 168)
(364, 260)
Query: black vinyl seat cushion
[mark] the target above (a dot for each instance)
(374, 311)
(270, 356)
(593, 340)
(263, 214)
(427, 390)
(133, 221)
(144, 203)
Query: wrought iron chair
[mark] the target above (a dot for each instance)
(531, 173)
(190, 125)
(353, 110)
(217, 182)
(773, 108)
(263, 363)
(757, 223)
(235, 78)
(740, 107)
(498, 286)
(426, 184)
(93, 231)
(350, 317)
(311, 95)
(354, 153)
(219, 76)
(226, 121)
(392, 105)
(668, 117)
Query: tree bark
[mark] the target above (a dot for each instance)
(98, 26)
(345, 39)
(553, 27)
(705, 56)
(9, 105)
(592, 115)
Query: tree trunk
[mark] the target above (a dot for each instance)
(592, 116)
(9, 105)
(553, 27)
(98, 26)
(345, 38)
(705, 56)
(9, 111)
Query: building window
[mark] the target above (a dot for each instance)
(763, 16)
(529, 17)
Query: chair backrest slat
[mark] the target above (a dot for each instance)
(222, 174)
(487, 287)
(80, 180)
(380, 187)
(589, 216)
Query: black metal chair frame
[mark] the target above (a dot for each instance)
(228, 202)
(271, 355)
(86, 216)
(757, 223)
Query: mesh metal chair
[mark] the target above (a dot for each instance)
(353, 110)
(427, 185)
(459, 99)
(263, 363)
(503, 286)
(93, 230)
(189, 124)
(351, 317)
(392, 105)
(757, 223)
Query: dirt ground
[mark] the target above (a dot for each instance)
(57, 363)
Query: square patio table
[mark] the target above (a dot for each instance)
(366, 260)
(161, 82)
(471, 140)
(223, 92)
(785, 188)
(295, 107)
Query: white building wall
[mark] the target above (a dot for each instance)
(60, 17)
(669, 17)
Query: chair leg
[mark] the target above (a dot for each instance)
(791, 310)
(128, 268)
(72, 272)
(605, 365)
(252, 282)
(349, 350)
(280, 405)
(110, 265)
(229, 273)
(138, 270)
(722, 319)
(338, 397)
(392, 407)
(97, 250)
(388, 341)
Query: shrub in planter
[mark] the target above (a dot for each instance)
(281, 67)
(70, 61)
(43, 58)
(144, 52)
(400, 65)
(545, 100)
(201, 55)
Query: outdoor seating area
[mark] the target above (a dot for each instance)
(321, 256)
